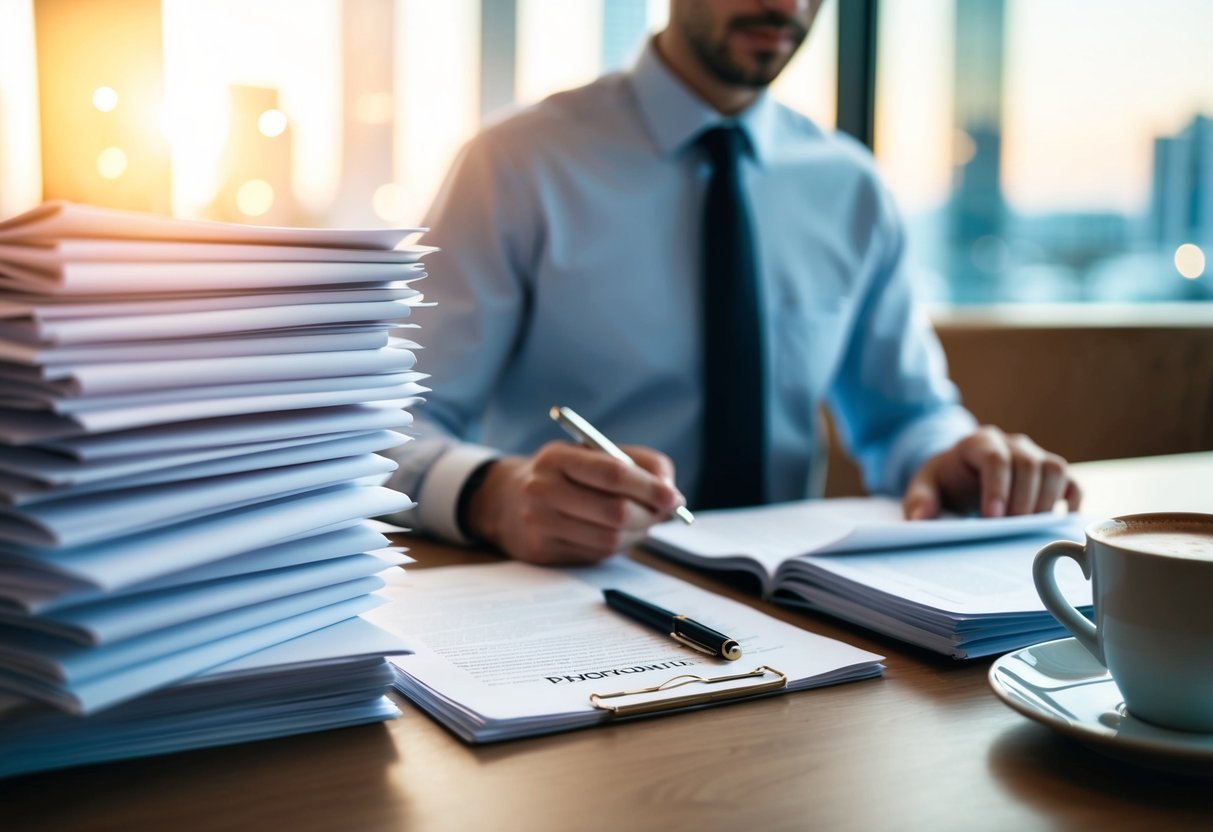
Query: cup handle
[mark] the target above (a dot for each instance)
(1046, 586)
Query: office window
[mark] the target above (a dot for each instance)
(1045, 151)
(321, 112)
(245, 104)
(810, 82)
(566, 43)
(376, 97)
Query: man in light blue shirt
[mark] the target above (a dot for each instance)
(570, 274)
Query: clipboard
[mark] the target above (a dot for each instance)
(766, 680)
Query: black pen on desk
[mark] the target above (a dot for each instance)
(684, 630)
(588, 435)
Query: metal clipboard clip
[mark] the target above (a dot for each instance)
(770, 680)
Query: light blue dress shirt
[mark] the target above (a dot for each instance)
(569, 274)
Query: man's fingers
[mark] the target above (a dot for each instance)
(552, 536)
(1073, 495)
(660, 466)
(1053, 482)
(568, 504)
(986, 450)
(590, 505)
(996, 473)
(921, 500)
(599, 471)
(655, 462)
(1026, 461)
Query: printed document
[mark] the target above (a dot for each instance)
(509, 650)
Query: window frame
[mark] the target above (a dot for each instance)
(857, 32)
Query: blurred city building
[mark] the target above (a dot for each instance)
(368, 101)
(255, 168)
(979, 254)
(1181, 204)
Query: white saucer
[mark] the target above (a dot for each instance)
(1058, 683)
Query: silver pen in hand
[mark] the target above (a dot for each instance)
(591, 437)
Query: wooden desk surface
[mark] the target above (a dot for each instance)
(926, 747)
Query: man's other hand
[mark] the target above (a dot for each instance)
(992, 473)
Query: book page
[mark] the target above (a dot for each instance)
(769, 535)
(979, 578)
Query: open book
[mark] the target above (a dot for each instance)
(961, 586)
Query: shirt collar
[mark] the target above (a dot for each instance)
(675, 115)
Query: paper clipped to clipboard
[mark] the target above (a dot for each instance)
(509, 650)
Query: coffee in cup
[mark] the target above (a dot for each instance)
(1152, 586)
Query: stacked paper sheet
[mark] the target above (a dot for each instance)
(331, 678)
(190, 415)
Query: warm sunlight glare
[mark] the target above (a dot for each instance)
(391, 202)
(255, 197)
(111, 163)
(914, 144)
(20, 150)
(559, 46)
(105, 99)
(213, 46)
(374, 108)
(272, 123)
(810, 82)
(437, 111)
(195, 120)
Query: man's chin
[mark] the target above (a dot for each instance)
(761, 71)
(761, 65)
(755, 69)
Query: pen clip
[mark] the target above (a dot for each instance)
(766, 680)
(694, 645)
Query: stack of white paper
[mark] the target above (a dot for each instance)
(331, 678)
(190, 421)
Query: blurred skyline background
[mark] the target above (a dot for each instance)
(1040, 150)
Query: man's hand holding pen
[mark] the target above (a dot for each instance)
(572, 505)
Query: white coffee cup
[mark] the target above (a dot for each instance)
(1152, 585)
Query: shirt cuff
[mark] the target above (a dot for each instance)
(438, 501)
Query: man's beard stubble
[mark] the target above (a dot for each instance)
(714, 55)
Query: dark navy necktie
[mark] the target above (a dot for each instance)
(734, 429)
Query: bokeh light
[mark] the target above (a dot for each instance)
(391, 202)
(272, 123)
(255, 197)
(111, 162)
(1190, 261)
(105, 99)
